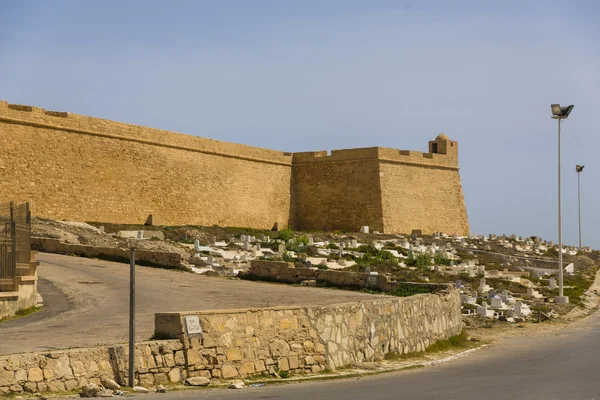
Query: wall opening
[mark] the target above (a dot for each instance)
(434, 148)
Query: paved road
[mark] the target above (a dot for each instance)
(87, 302)
(561, 366)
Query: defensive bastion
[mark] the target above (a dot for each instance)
(88, 169)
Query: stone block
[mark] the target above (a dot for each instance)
(6, 377)
(279, 348)
(285, 323)
(146, 380)
(71, 384)
(198, 381)
(319, 348)
(35, 375)
(247, 368)
(179, 358)
(30, 387)
(296, 347)
(259, 366)
(169, 360)
(20, 376)
(105, 365)
(193, 357)
(228, 371)
(175, 375)
(234, 354)
(93, 367)
(42, 387)
(160, 378)
(78, 368)
(16, 389)
(283, 364)
(293, 362)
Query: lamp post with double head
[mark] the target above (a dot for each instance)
(560, 113)
(578, 169)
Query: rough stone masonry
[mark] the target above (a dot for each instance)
(88, 169)
(242, 343)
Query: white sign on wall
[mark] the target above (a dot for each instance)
(192, 325)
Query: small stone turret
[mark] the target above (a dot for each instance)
(443, 145)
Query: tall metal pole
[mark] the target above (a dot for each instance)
(560, 257)
(579, 204)
(132, 318)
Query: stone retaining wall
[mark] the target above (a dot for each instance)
(59, 371)
(242, 343)
(287, 272)
(142, 257)
(302, 339)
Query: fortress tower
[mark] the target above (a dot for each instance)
(80, 168)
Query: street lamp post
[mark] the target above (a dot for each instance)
(578, 169)
(560, 113)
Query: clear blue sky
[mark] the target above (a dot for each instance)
(322, 75)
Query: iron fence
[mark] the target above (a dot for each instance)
(15, 244)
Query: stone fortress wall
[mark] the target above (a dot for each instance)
(88, 169)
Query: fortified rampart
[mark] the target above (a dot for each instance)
(88, 169)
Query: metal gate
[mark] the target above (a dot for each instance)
(15, 244)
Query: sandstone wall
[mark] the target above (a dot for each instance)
(419, 197)
(337, 192)
(142, 257)
(86, 169)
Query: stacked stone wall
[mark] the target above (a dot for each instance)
(142, 257)
(287, 272)
(243, 343)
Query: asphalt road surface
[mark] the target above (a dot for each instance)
(561, 366)
(87, 302)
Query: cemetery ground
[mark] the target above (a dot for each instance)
(524, 268)
(86, 299)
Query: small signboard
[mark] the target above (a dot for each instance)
(192, 325)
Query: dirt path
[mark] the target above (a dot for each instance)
(95, 309)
